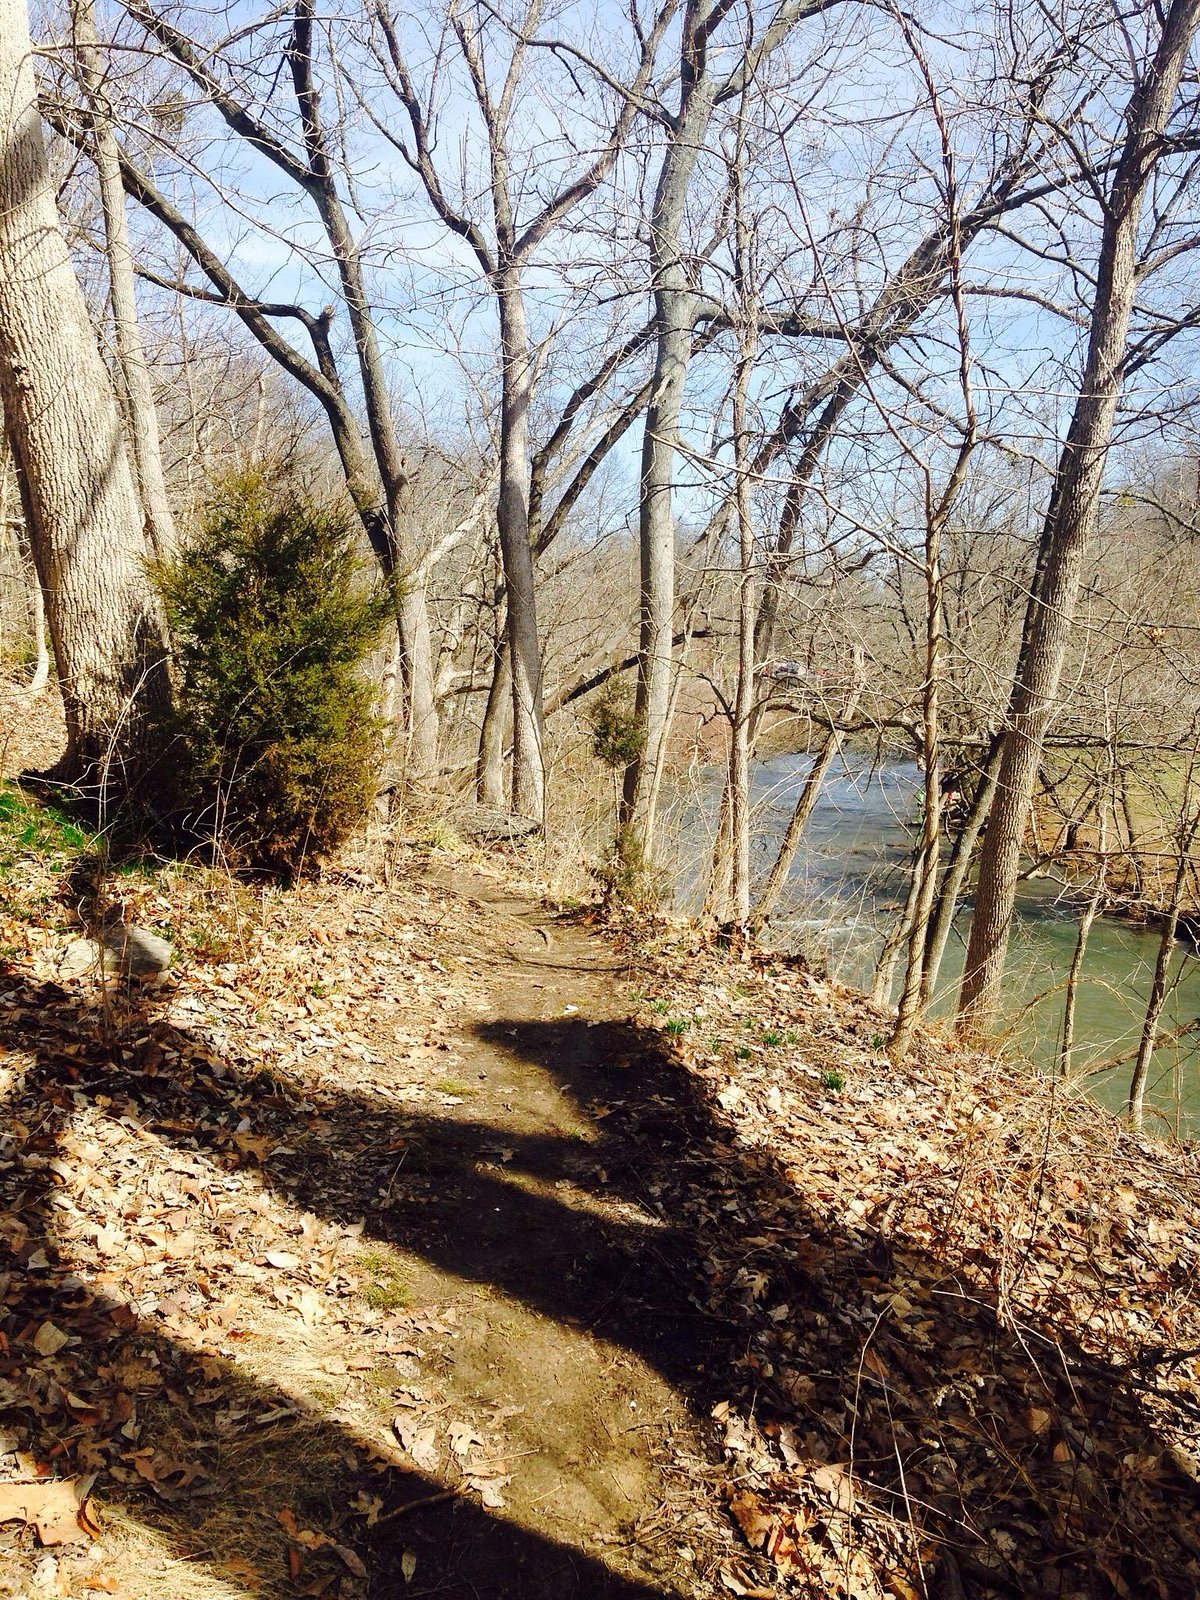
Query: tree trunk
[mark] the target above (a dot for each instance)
(417, 675)
(1086, 920)
(743, 702)
(720, 868)
(1158, 990)
(1090, 912)
(656, 535)
(957, 869)
(64, 429)
(41, 650)
(524, 651)
(140, 408)
(416, 651)
(493, 735)
(885, 967)
(804, 808)
(1069, 521)
(673, 319)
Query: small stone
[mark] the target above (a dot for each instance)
(135, 952)
(79, 958)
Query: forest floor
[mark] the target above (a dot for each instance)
(414, 1238)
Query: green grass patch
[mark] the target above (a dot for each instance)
(31, 827)
(384, 1287)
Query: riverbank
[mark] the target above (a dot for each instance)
(847, 887)
(967, 1295)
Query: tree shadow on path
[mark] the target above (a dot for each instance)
(645, 1248)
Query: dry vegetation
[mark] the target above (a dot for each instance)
(410, 1238)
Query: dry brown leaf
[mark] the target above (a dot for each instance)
(463, 1439)
(488, 1490)
(52, 1507)
(834, 1482)
(354, 1562)
(49, 1340)
(753, 1517)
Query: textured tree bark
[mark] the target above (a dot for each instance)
(673, 319)
(37, 600)
(140, 409)
(524, 650)
(65, 432)
(957, 869)
(493, 735)
(417, 670)
(743, 704)
(41, 650)
(1068, 525)
(889, 956)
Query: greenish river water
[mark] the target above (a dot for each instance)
(850, 876)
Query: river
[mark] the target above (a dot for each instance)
(847, 883)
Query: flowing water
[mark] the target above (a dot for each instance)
(848, 883)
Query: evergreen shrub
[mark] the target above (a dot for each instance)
(272, 739)
(617, 737)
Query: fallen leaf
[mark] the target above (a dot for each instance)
(51, 1507)
(488, 1490)
(753, 1517)
(353, 1561)
(835, 1484)
(420, 1442)
(49, 1340)
(463, 1438)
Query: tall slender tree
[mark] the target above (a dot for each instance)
(78, 489)
(1071, 514)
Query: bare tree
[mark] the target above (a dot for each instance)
(1189, 826)
(374, 468)
(1071, 514)
(64, 428)
(140, 409)
(504, 250)
(703, 84)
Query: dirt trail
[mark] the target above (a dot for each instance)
(520, 1207)
(340, 1266)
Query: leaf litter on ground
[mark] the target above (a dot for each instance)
(956, 1302)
